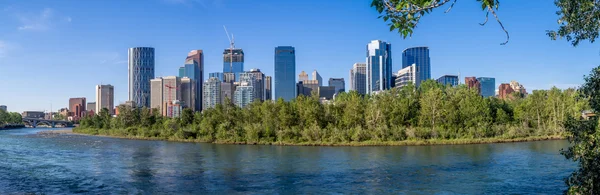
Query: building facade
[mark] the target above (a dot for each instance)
(229, 77)
(473, 83)
(259, 84)
(91, 106)
(77, 107)
(327, 92)
(165, 92)
(227, 90)
(285, 73)
(306, 88)
(406, 76)
(451, 80)
(379, 66)
(268, 88)
(517, 87)
(244, 94)
(105, 98)
(316, 76)
(188, 94)
(338, 83)
(505, 91)
(212, 93)
(218, 75)
(418, 56)
(196, 57)
(488, 86)
(233, 61)
(3, 108)
(358, 78)
(141, 71)
(302, 76)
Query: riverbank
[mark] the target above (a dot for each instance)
(11, 126)
(415, 142)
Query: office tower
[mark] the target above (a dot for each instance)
(244, 94)
(105, 98)
(196, 57)
(358, 78)
(326, 92)
(518, 88)
(164, 94)
(141, 71)
(212, 93)
(233, 61)
(190, 70)
(338, 83)
(379, 66)
(218, 75)
(406, 76)
(229, 77)
(451, 80)
(227, 90)
(302, 76)
(473, 83)
(259, 83)
(285, 73)
(316, 76)
(504, 91)
(307, 87)
(268, 92)
(91, 107)
(488, 86)
(77, 107)
(420, 57)
(188, 93)
(3, 108)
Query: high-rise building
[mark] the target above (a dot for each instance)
(306, 88)
(3, 108)
(451, 80)
(488, 86)
(190, 70)
(268, 91)
(141, 71)
(338, 83)
(165, 92)
(316, 76)
(227, 90)
(473, 83)
(420, 57)
(302, 76)
(285, 73)
(379, 66)
(233, 61)
(91, 107)
(77, 107)
(326, 92)
(244, 94)
(504, 91)
(196, 57)
(188, 93)
(358, 78)
(218, 75)
(105, 98)
(212, 92)
(406, 76)
(259, 85)
(229, 77)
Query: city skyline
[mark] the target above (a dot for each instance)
(468, 51)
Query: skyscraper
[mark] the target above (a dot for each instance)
(451, 80)
(190, 70)
(165, 92)
(316, 76)
(358, 79)
(188, 93)
(379, 66)
(302, 76)
(420, 57)
(229, 77)
(472, 82)
(244, 94)
(77, 106)
(212, 93)
(227, 90)
(338, 83)
(233, 61)
(197, 58)
(105, 98)
(141, 71)
(285, 73)
(268, 91)
(259, 85)
(488, 86)
(218, 75)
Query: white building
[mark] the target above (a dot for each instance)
(407, 75)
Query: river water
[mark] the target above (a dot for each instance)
(65, 164)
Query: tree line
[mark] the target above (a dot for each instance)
(432, 111)
(10, 118)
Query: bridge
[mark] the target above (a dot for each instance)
(34, 122)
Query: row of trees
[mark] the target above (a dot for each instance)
(10, 118)
(432, 111)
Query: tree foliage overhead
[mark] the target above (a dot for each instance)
(578, 19)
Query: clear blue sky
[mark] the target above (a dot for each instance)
(53, 50)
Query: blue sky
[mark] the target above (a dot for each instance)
(53, 50)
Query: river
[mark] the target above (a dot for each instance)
(59, 164)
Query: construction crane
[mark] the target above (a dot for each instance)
(170, 105)
(231, 47)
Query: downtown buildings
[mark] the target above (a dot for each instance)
(141, 71)
(285, 73)
(488, 86)
(194, 69)
(451, 80)
(419, 57)
(105, 98)
(378, 66)
(358, 78)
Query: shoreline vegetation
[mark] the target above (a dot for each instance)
(430, 114)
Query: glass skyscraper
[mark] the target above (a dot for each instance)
(233, 62)
(420, 57)
(488, 86)
(218, 75)
(379, 66)
(285, 73)
(141, 71)
(451, 80)
(194, 69)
